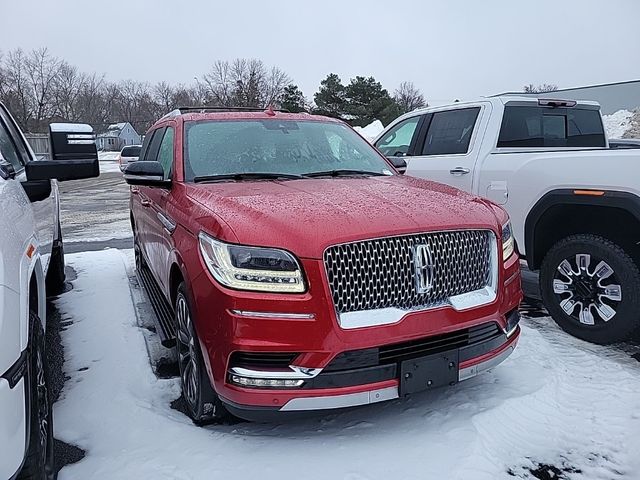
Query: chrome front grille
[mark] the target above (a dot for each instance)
(381, 273)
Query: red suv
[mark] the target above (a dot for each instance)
(295, 269)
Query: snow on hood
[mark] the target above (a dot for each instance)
(306, 216)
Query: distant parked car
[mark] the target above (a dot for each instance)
(129, 154)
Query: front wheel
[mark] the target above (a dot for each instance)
(590, 286)
(39, 463)
(203, 405)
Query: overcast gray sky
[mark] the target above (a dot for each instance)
(449, 49)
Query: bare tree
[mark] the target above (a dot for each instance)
(245, 82)
(42, 72)
(408, 97)
(542, 88)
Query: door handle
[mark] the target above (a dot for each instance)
(135, 190)
(458, 171)
(145, 203)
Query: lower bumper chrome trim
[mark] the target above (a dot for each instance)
(340, 401)
(473, 370)
(275, 315)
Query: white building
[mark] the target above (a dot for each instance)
(117, 136)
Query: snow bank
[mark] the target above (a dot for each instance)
(617, 124)
(371, 131)
(556, 400)
(108, 156)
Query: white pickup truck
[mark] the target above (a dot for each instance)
(574, 202)
(31, 264)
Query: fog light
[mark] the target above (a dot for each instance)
(513, 319)
(265, 382)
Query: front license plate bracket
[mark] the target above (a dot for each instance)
(425, 373)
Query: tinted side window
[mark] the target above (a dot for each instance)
(8, 149)
(165, 154)
(397, 140)
(545, 127)
(450, 132)
(151, 153)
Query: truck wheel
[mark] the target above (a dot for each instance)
(39, 462)
(203, 405)
(590, 286)
(55, 274)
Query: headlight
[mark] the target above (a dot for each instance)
(508, 243)
(251, 268)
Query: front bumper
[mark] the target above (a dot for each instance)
(229, 322)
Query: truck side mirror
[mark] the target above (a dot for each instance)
(399, 163)
(74, 154)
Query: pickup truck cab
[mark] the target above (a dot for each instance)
(573, 201)
(295, 270)
(31, 264)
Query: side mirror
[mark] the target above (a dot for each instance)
(73, 154)
(146, 174)
(399, 162)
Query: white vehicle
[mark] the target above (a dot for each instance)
(128, 154)
(31, 262)
(574, 202)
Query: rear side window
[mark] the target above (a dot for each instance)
(450, 132)
(396, 141)
(550, 127)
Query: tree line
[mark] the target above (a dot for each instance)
(40, 88)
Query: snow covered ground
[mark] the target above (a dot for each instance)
(556, 401)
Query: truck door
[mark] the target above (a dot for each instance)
(17, 153)
(444, 148)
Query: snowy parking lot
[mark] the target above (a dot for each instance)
(558, 408)
(557, 405)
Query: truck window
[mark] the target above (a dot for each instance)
(450, 132)
(550, 127)
(397, 140)
(8, 149)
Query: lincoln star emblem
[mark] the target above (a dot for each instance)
(424, 268)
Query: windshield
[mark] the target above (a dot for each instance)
(131, 151)
(277, 147)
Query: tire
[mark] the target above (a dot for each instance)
(202, 403)
(55, 274)
(39, 462)
(589, 270)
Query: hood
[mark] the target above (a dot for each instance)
(306, 216)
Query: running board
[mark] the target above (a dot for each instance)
(164, 318)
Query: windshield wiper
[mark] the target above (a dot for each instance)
(343, 172)
(246, 176)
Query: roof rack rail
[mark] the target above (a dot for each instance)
(203, 109)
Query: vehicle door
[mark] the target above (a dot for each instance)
(161, 226)
(16, 151)
(446, 146)
(140, 201)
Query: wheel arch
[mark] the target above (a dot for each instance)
(564, 212)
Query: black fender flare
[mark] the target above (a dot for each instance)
(590, 197)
